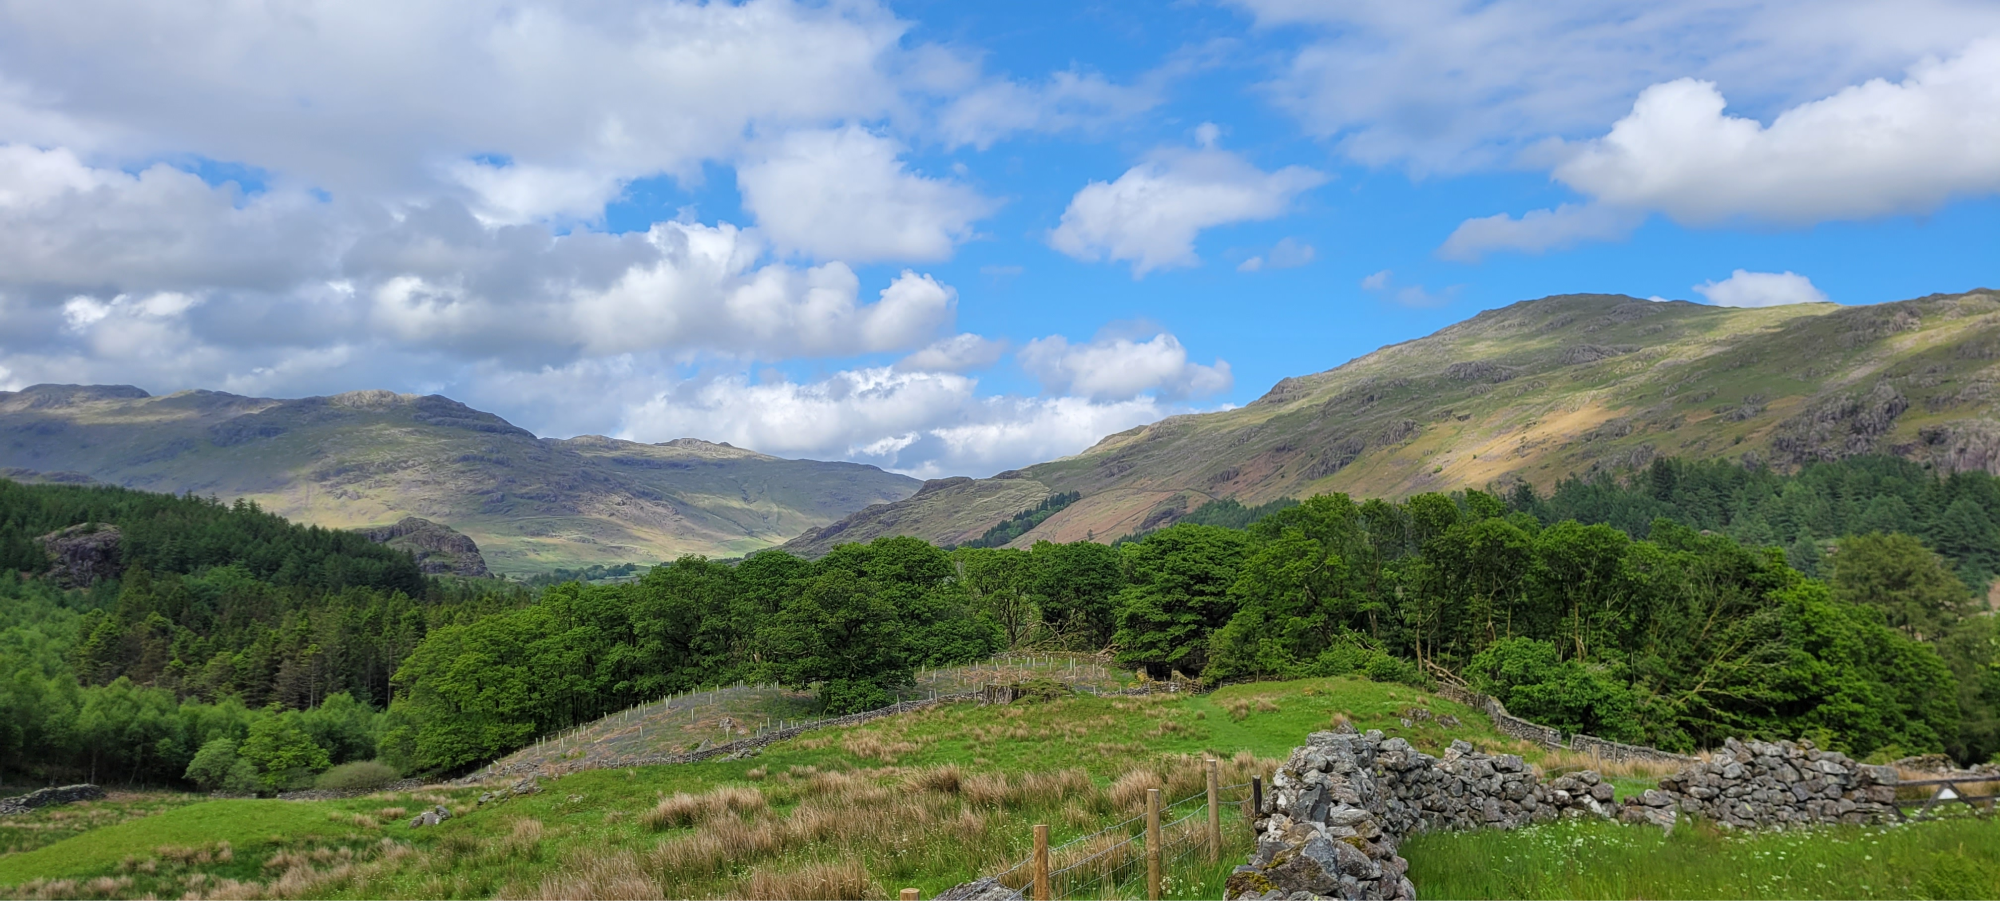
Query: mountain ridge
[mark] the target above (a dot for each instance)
(369, 458)
(1533, 392)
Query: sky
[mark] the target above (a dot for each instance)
(941, 238)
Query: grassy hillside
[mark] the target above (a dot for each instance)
(1535, 392)
(369, 458)
(929, 800)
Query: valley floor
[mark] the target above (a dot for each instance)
(928, 800)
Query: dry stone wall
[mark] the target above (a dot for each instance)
(1341, 805)
(1760, 784)
(49, 797)
(1549, 737)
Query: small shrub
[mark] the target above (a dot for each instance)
(1041, 689)
(361, 775)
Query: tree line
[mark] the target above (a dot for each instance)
(1673, 606)
(225, 617)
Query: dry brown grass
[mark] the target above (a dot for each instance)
(1128, 792)
(874, 745)
(590, 876)
(683, 809)
(710, 851)
(840, 879)
(997, 790)
(1566, 760)
(945, 779)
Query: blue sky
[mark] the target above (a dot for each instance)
(945, 238)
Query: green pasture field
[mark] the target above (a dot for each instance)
(1947, 858)
(48, 825)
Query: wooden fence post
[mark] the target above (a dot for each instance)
(1214, 813)
(910, 894)
(1153, 844)
(1041, 862)
(1256, 799)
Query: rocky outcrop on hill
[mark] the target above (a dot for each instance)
(440, 550)
(49, 797)
(83, 554)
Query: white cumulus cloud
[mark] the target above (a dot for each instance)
(387, 99)
(926, 424)
(1873, 149)
(1761, 289)
(1151, 214)
(845, 194)
(1443, 86)
(1117, 366)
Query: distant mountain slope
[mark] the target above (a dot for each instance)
(370, 458)
(1535, 392)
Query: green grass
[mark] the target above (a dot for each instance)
(853, 781)
(1104, 735)
(1957, 858)
(249, 826)
(851, 810)
(48, 825)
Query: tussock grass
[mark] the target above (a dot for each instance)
(683, 809)
(609, 877)
(837, 880)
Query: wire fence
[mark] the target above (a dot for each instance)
(1111, 862)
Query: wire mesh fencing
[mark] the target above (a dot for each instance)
(1113, 862)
